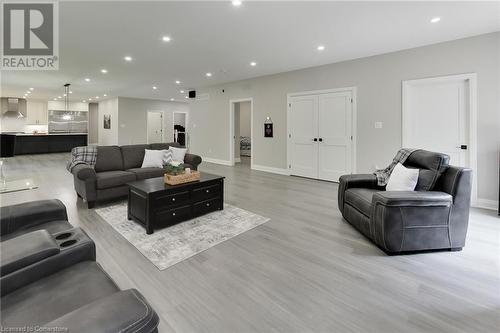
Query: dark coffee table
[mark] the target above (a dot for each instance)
(155, 204)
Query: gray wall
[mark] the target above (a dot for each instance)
(378, 80)
(93, 123)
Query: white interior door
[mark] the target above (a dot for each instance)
(436, 117)
(335, 135)
(155, 126)
(303, 131)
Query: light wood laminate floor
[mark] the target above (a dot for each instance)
(306, 270)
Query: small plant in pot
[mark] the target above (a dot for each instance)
(173, 170)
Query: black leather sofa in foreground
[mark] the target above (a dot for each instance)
(51, 282)
(433, 217)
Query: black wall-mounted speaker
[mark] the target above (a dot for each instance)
(192, 94)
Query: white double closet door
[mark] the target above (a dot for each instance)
(320, 135)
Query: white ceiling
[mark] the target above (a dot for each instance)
(220, 38)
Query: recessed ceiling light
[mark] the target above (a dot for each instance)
(253, 64)
(87, 79)
(128, 58)
(155, 87)
(90, 99)
(208, 74)
(182, 91)
(32, 88)
(55, 99)
(105, 95)
(97, 97)
(172, 99)
(70, 92)
(320, 48)
(59, 97)
(166, 39)
(186, 97)
(64, 95)
(104, 71)
(28, 92)
(177, 82)
(436, 19)
(84, 101)
(236, 3)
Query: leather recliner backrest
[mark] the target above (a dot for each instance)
(431, 166)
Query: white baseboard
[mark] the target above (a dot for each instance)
(237, 160)
(278, 171)
(216, 161)
(485, 204)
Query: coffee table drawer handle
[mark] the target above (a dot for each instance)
(173, 214)
(208, 191)
(208, 205)
(173, 199)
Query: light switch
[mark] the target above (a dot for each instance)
(378, 124)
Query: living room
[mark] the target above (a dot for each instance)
(360, 195)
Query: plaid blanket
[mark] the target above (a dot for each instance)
(384, 174)
(82, 155)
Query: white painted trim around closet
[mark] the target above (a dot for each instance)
(354, 119)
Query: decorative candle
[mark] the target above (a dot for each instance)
(188, 170)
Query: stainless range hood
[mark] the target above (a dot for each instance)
(13, 107)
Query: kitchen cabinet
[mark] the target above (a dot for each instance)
(36, 113)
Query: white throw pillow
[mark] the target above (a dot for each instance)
(402, 179)
(153, 158)
(178, 154)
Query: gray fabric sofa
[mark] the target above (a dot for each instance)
(51, 282)
(433, 217)
(115, 167)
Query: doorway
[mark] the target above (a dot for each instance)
(241, 129)
(321, 133)
(180, 128)
(439, 114)
(155, 126)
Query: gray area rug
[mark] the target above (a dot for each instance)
(168, 246)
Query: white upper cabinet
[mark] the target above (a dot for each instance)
(36, 113)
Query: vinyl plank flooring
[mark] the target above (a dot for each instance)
(306, 270)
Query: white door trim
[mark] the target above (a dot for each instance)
(162, 124)
(231, 129)
(472, 80)
(187, 124)
(354, 141)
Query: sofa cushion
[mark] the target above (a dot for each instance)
(431, 166)
(109, 179)
(133, 155)
(361, 199)
(144, 173)
(55, 295)
(164, 145)
(109, 158)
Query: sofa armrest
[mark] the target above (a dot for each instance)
(412, 198)
(84, 172)
(193, 160)
(22, 215)
(403, 221)
(350, 181)
(124, 311)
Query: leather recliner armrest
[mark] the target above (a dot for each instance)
(193, 160)
(125, 311)
(412, 198)
(18, 216)
(25, 250)
(351, 181)
(84, 172)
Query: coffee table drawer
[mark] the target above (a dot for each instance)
(207, 192)
(172, 199)
(173, 215)
(206, 207)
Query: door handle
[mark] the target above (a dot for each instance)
(320, 139)
(463, 147)
(315, 139)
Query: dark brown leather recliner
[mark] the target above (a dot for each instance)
(434, 216)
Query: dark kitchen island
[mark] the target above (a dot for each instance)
(22, 143)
